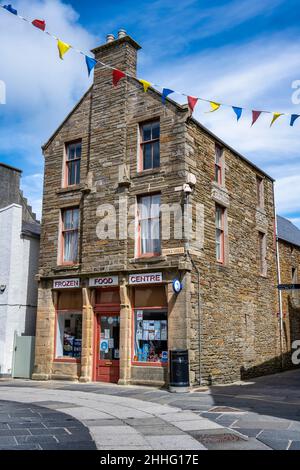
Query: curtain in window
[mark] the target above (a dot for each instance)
(149, 208)
(71, 224)
(219, 232)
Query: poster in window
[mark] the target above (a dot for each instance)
(139, 315)
(104, 345)
(151, 335)
(77, 347)
(164, 330)
(68, 345)
(145, 335)
(157, 335)
(106, 334)
(116, 354)
(139, 334)
(111, 343)
(164, 356)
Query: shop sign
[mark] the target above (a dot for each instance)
(66, 283)
(104, 281)
(148, 278)
(173, 251)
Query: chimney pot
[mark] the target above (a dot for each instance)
(122, 33)
(110, 38)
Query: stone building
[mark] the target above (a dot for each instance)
(108, 308)
(19, 255)
(289, 261)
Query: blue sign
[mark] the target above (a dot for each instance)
(177, 286)
(104, 345)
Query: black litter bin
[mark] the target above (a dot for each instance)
(179, 370)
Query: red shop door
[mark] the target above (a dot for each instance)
(107, 348)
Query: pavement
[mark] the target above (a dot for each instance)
(262, 414)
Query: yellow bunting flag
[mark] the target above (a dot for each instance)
(62, 48)
(275, 117)
(145, 84)
(214, 106)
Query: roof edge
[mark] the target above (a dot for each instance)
(46, 144)
(9, 167)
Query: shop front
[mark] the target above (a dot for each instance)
(67, 328)
(106, 329)
(149, 348)
(114, 328)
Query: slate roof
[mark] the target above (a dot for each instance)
(287, 231)
(32, 229)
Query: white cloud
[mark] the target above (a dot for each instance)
(256, 75)
(287, 192)
(41, 88)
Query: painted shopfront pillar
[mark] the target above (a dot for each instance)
(87, 335)
(125, 334)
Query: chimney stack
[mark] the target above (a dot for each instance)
(122, 33)
(110, 38)
(119, 52)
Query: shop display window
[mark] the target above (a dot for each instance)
(68, 335)
(150, 336)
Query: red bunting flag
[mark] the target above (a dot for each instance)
(255, 116)
(117, 75)
(192, 101)
(41, 24)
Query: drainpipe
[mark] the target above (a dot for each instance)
(187, 192)
(279, 282)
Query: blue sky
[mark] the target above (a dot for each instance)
(239, 52)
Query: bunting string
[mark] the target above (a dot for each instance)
(118, 75)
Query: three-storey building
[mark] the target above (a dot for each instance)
(137, 195)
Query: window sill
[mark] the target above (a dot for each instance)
(70, 189)
(220, 186)
(66, 267)
(69, 361)
(150, 364)
(146, 260)
(150, 172)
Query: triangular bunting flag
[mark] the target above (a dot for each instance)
(90, 63)
(275, 117)
(10, 9)
(145, 84)
(238, 112)
(62, 48)
(214, 106)
(41, 24)
(255, 116)
(192, 101)
(293, 118)
(166, 92)
(117, 75)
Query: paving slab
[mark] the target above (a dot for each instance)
(19, 433)
(174, 443)
(294, 445)
(159, 430)
(195, 425)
